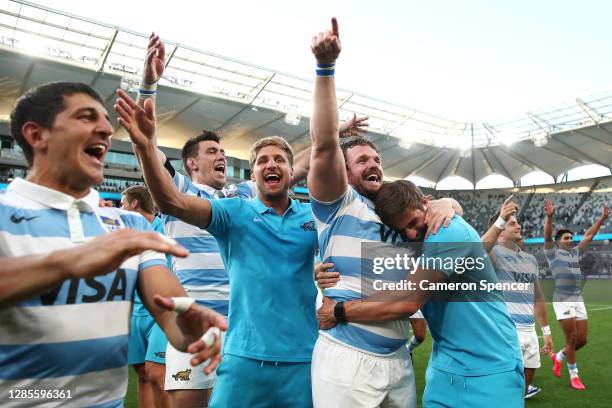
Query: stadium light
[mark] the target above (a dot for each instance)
(540, 140)
(405, 144)
(292, 119)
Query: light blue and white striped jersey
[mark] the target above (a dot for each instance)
(565, 268)
(75, 335)
(517, 266)
(343, 225)
(202, 273)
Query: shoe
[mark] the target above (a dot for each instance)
(576, 384)
(556, 365)
(531, 391)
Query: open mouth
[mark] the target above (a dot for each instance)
(272, 178)
(220, 169)
(373, 178)
(96, 151)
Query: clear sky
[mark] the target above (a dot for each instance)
(465, 60)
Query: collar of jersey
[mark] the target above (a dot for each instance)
(53, 198)
(207, 189)
(262, 209)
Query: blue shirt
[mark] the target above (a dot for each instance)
(139, 310)
(472, 334)
(270, 260)
(75, 335)
(202, 273)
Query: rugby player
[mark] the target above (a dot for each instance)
(342, 182)
(475, 357)
(512, 264)
(268, 246)
(202, 273)
(66, 327)
(564, 261)
(147, 346)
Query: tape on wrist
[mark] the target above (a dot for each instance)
(500, 223)
(546, 331)
(182, 304)
(211, 336)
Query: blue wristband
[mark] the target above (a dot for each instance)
(326, 70)
(147, 92)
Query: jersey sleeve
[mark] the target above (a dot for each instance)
(221, 220)
(442, 250)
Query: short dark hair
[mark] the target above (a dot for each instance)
(143, 196)
(42, 105)
(190, 149)
(394, 198)
(357, 141)
(560, 233)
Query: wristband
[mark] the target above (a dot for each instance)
(546, 331)
(326, 70)
(500, 223)
(339, 313)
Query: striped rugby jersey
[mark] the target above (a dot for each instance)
(565, 268)
(202, 273)
(517, 266)
(343, 225)
(74, 336)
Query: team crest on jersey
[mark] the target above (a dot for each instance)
(160, 354)
(182, 375)
(111, 224)
(308, 226)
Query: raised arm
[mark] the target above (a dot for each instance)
(549, 209)
(140, 124)
(327, 178)
(591, 232)
(508, 209)
(24, 277)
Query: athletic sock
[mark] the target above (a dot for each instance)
(414, 343)
(560, 356)
(573, 370)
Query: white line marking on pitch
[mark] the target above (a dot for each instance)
(600, 308)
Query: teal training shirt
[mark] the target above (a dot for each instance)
(272, 292)
(473, 333)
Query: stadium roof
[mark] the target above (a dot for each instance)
(245, 102)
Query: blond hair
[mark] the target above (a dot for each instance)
(270, 141)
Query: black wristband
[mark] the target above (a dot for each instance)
(339, 313)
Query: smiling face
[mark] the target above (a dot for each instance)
(512, 231)
(72, 151)
(272, 172)
(364, 170)
(209, 165)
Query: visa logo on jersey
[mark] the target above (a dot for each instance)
(111, 287)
